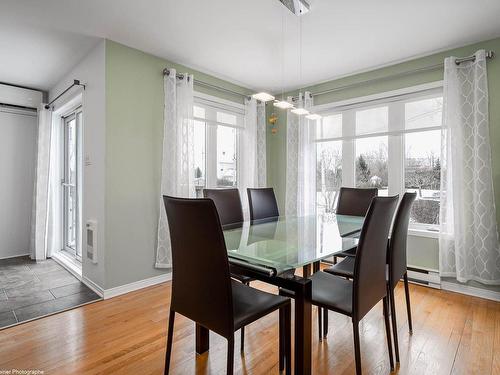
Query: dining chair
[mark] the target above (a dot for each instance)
(356, 297)
(228, 205)
(262, 204)
(354, 202)
(202, 289)
(396, 261)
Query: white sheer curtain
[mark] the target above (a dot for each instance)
(177, 169)
(301, 161)
(38, 241)
(54, 231)
(253, 149)
(468, 242)
(261, 145)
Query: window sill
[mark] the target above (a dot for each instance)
(423, 233)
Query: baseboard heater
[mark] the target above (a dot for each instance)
(424, 277)
(415, 275)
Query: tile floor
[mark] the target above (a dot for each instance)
(30, 290)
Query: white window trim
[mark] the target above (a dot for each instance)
(396, 137)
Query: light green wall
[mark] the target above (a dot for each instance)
(276, 143)
(134, 131)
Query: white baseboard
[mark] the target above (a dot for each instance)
(471, 290)
(122, 289)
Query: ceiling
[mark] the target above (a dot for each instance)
(238, 40)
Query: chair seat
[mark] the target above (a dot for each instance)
(328, 291)
(250, 304)
(345, 268)
(348, 253)
(332, 292)
(235, 275)
(241, 278)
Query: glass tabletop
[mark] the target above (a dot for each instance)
(292, 242)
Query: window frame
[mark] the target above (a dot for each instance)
(395, 101)
(212, 105)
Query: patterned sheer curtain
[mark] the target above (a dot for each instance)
(468, 243)
(301, 161)
(177, 168)
(253, 153)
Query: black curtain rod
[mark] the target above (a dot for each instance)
(76, 82)
(489, 55)
(166, 72)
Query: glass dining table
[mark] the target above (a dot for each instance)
(271, 250)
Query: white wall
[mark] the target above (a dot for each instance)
(91, 71)
(18, 130)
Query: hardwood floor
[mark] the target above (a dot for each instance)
(453, 334)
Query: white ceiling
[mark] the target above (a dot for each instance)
(238, 40)
(38, 57)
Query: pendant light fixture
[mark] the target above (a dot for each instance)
(313, 116)
(263, 97)
(283, 103)
(301, 110)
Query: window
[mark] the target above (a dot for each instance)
(227, 175)
(391, 143)
(422, 153)
(71, 131)
(200, 159)
(217, 128)
(372, 164)
(328, 174)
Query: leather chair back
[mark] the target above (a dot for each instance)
(262, 203)
(228, 204)
(397, 243)
(354, 201)
(370, 284)
(201, 284)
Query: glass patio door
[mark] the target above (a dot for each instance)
(71, 230)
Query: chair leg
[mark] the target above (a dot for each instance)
(288, 338)
(242, 331)
(230, 355)
(242, 339)
(282, 329)
(325, 323)
(320, 324)
(170, 337)
(393, 321)
(388, 332)
(357, 351)
(408, 307)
